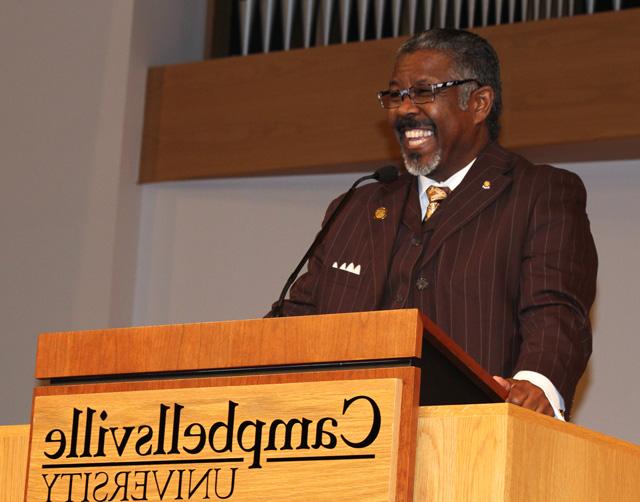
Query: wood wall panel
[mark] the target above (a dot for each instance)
(570, 93)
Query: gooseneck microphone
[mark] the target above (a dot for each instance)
(385, 174)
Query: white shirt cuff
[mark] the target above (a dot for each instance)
(554, 397)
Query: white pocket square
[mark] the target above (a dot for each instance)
(354, 269)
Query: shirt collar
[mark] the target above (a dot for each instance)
(452, 182)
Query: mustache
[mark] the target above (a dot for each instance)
(403, 123)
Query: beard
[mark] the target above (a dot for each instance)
(414, 164)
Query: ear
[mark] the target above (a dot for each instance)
(480, 103)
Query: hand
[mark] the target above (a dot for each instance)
(525, 394)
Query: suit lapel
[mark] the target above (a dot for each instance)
(382, 232)
(485, 181)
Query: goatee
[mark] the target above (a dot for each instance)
(414, 164)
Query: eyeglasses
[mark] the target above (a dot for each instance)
(419, 94)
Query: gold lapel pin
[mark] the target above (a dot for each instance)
(486, 184)
(380, 213)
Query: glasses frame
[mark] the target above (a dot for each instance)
(410, 92)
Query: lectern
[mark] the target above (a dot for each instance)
(310, 408)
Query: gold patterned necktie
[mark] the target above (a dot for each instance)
(435, 195)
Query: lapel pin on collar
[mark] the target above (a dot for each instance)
(486, 184)
(380, 213)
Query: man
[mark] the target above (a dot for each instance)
(495, 250)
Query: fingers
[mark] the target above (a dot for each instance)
(527, 395)
(546, 409)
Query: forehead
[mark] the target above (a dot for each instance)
(427, 65)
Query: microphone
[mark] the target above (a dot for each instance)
(385, 174)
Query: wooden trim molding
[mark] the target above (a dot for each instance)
(570, 93)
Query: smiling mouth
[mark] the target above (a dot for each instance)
(416, 138)
(413, 133)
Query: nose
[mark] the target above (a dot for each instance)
(407, 106)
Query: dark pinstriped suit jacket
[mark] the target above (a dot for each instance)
(513, 267)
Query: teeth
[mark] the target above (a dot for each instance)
(418, 133)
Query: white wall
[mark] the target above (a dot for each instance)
(610, 399)
(214, 250)
(64, 69)
(83, 246)
(71, 101)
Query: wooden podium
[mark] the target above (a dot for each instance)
(307, 408)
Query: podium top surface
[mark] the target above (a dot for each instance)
(334, 338)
